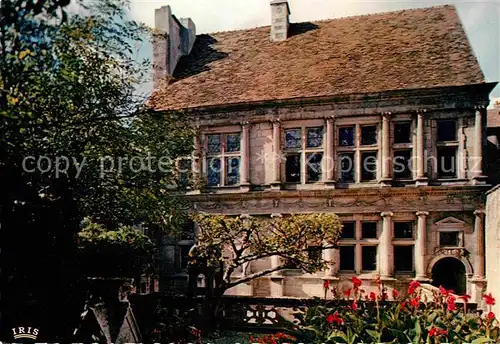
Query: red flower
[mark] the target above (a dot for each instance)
(490, 316)
(356, 281)
(415, 302)
(347, 292)
(451, 303)
(395, 294)
(373, 296)
(334, 318)
(490, 300)
(413, 286)
(436, 331)
(466, 298)
(378, 280)
(326, 284)
(354, 305)
(403, 305)
(443, 291)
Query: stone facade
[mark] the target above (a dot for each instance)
(417, 226)
(493, 243)
(291, 127)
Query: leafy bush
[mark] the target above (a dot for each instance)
(360, 317)
(118, 253)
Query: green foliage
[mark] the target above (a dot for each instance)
(126, 237)
(359, 317)
(233, 242)
(70, 90)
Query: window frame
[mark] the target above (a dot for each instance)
(404, 146)
(358, 149)
(358, 242)
(454, 144)
(404, 241)
(223, 155)
(303, 151)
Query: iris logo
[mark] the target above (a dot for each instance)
(25, 332)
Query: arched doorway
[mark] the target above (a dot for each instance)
(450, 273)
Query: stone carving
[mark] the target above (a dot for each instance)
(457, 252)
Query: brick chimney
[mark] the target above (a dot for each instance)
(172, 39)
(280, 20)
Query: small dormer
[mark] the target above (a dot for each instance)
(450, 232)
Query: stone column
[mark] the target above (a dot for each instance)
(331, 255)
(420, 245)
(276, 278)
(196, 162)
(477, 161)
(245, 155)
(479, 256)
(330, 152)
(276, 155)
(386, 152)
(420, 177)
(385, 246)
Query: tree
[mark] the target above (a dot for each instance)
(70, 113)
(298, 239)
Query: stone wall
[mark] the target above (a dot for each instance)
(493, 244)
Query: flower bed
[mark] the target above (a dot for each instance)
(356, 316)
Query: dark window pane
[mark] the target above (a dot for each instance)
(314, 167)
(447, 162)
(403, 258)
(349, 230)
(188, 230)
(368, 230)
(346, 136)
(232, 171)
(314, 253)
(293, 168)
(233, 142)
(213, 143)
(292, 138)
(402, 132)
(368, 166)
(369, 256)
(448, 238)
(184, 256)
(447, 130)
(369, 135)
(314, 137)
(346, 258)
(185, 171)
(213, 171)
(346, 167)
(402, 164)
(403, 230)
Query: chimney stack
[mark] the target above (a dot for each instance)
(280, 20)
(173, 38)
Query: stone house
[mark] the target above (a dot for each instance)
(379, 118)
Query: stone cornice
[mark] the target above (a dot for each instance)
(438, 98)
(398, 200)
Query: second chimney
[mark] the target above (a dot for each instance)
(280, 20)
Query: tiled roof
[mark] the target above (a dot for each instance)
(408, 49)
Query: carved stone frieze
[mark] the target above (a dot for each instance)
(458, 252)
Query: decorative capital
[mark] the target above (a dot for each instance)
(422, 213)
(275, 122)
(245, 123)
(330, 118)
(387, 214)
(479, 212)
(479, 107)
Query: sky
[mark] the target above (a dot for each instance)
(481, 19)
